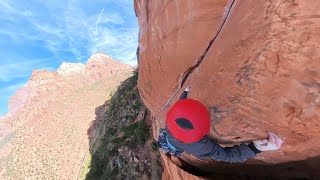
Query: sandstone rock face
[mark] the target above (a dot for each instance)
(254, 64)
(67, 69)
(100, 66)
(44, 135)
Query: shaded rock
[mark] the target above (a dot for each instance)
(135, 159)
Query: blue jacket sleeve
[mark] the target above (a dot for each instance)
(208, 148)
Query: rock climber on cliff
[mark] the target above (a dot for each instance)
(187, 128)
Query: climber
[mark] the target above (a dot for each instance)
(187, 128)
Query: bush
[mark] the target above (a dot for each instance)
(119, 119)
(137, 133)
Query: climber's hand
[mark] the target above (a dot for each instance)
(274, 142)
(187, 89)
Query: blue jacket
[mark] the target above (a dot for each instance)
(208, 148)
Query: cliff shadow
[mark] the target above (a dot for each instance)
(100, 112)
(256, 169)
(121, 145)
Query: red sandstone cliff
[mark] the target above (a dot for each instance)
(254, 64)
(44, 135)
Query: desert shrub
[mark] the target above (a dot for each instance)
(119, 119)
(137, 133)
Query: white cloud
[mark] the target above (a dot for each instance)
(8, 8)
(69, 29)
(111, 18)
(98, 20)
(83, 33)
(10, 71)
(121, 43)
(12, 88)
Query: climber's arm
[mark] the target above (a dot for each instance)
(239, 153)
(185, 93)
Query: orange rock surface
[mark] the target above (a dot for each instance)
(44, 135)
(254, 64)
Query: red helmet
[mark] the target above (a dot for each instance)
(188, 120)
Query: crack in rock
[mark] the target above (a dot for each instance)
(190, 70)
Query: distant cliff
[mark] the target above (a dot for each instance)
(254, 64)
(44, 135)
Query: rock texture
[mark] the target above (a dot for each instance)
(67, 69)
(44, 135)
(254, 64)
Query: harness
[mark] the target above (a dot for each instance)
(166, 146)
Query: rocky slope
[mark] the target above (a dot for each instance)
(120, 143)
(254, 64)
(44, 135)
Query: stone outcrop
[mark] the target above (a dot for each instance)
(254, 64)
(44, 135)
(67, 69)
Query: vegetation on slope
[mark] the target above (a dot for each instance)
(122, 145)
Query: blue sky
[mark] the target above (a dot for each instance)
(37, 34)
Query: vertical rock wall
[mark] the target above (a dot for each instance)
(254, 64)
